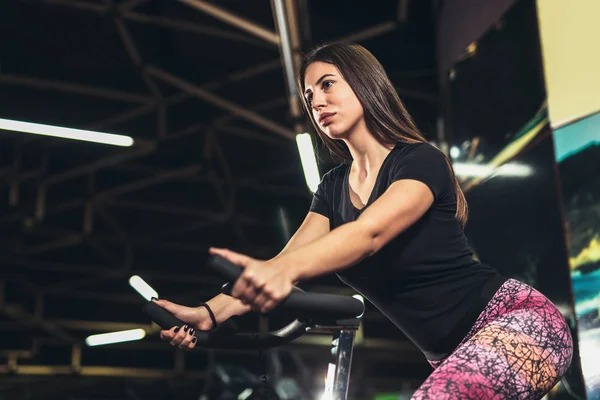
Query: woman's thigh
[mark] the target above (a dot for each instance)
(520, 355)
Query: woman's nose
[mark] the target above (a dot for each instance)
(318, 101)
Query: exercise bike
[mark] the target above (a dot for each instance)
(337, 315)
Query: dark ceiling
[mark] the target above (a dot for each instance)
(213, 164)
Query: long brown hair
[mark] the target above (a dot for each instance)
(385, 115)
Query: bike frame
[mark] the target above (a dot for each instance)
(342, 347)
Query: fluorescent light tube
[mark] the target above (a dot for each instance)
(115, 337)
(309, 161)
(67, 133)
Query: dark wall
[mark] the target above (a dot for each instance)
(462, 21)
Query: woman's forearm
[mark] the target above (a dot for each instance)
(236, 307)
(339, 249)
(224, 307)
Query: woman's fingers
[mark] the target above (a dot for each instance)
(178, 337)
(182, 337)
(188, 338)
(168, 334)
(260, 299)
(167, 305)
(236, 258)
(240, 290)
(252, 291)
(192, 344)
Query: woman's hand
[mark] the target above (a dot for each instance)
(195, 318)
(262, 285)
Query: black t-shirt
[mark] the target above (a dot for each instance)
(425, 280)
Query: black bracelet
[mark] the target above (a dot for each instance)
(212, 315)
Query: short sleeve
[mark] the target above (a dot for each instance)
(425, 163)
(320, 201)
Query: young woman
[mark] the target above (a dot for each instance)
(389, 221)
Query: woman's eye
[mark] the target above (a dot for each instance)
(327, 84)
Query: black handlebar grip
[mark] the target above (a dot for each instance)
(162, 317)
(323, 304)
(225, 268)
(314, 304)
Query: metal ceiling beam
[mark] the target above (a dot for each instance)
(221, 103)
(72, 239)
(190, 27)
(369, 33)
(250, 134)
(286, 22)
(403, 9)
(59, 243)
(228, 199)
(144, 148)
(183, 96)
(232, 19)
(129, 115)
(246, 183)
(136, 57)
(233, 131)
(241, 75)
(268, 66)
(266, 106)
(166, 176)
(187, 174)
(148, 80)
(359, 36)
(169, 23)
(272, 65)
(74, 88)
(131, 4)
(79, 5)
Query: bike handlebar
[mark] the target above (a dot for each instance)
(300, 305)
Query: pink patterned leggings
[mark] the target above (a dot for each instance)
(519, 347)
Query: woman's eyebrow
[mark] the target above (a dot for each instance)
(318, 81)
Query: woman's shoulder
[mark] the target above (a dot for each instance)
(419, 150)
(337, 172)
(332, 180)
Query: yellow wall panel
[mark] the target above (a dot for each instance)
(570, 36)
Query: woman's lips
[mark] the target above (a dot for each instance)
(326, 119)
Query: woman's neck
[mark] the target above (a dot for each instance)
(367, 154)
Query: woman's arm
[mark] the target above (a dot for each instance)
(402, 204)
(312, 228)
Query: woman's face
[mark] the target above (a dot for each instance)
(333, 103)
